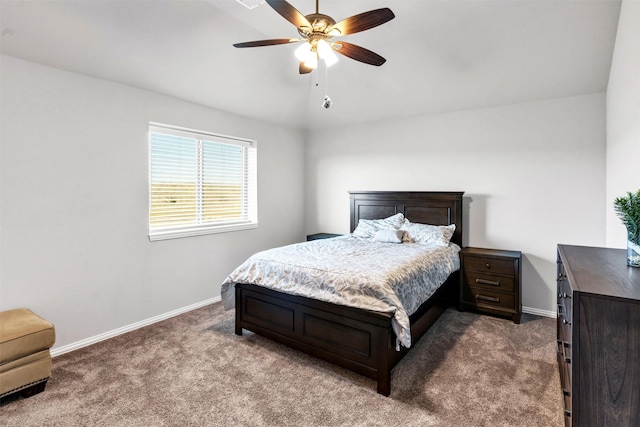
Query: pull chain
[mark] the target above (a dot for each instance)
(326, 79)
(326, 103)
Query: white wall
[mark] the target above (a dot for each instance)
(623, 119)
(74, 202)
(533, 176)
(73, 199)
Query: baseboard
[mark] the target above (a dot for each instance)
(57, 351)
(538, 312)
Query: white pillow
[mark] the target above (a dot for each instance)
(367, 228)
(438, 235)
(388, 236)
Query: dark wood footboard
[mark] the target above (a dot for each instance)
(360, 340)
(348, 337)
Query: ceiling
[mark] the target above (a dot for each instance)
(442, 56)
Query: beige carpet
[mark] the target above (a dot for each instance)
(191, 370)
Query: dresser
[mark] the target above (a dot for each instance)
(598, 346)
(491, 281)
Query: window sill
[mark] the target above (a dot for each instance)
(198, 231)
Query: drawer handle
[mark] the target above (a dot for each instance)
(566, 392)
(487, 265)
(486, 298)
(560, 277)
(563, 295)
(487, 282)
(567, 413)
(566, 322)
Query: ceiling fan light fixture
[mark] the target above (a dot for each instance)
(311, 61)
(326, 53)
(303, 51)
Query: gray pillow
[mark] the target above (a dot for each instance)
(438, 235)
(367, 228)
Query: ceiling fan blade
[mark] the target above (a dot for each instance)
(358, 53)
(289, 13)
(362, 21)
(270, 42)
(303, 69)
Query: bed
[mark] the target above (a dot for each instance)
(361, 340)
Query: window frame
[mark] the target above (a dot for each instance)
(249, 186)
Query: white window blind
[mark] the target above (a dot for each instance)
(200, 183)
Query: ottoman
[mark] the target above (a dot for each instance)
(25, 361)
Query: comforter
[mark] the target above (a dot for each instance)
(385, 277)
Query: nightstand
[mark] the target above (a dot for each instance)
(319, 236)
(490, 281)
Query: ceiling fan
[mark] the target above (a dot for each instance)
(316, 31)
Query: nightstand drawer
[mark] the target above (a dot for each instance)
(489, 281)
(489, 265)
(484, 297)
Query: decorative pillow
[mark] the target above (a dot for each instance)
(438, 235)
(388, 236)
(367, 228)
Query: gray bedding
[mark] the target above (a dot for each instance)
(385, 277)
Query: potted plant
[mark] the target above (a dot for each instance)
(628, 210)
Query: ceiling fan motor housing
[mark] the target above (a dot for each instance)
(320, 23)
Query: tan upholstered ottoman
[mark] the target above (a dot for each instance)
(25, 361)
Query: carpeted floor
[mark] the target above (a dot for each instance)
(191, 370)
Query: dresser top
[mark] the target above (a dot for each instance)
(601, 271)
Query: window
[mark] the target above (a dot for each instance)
(199, 183)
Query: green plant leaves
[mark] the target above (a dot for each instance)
(628, 210)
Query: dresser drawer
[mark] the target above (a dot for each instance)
(564, 329)
(489, 265)
(566, 388)
(489, 281)
(565, 308)
(565, 299)
(488, 298)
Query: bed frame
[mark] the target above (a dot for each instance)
(360, 340)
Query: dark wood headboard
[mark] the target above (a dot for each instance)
(426, 207)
